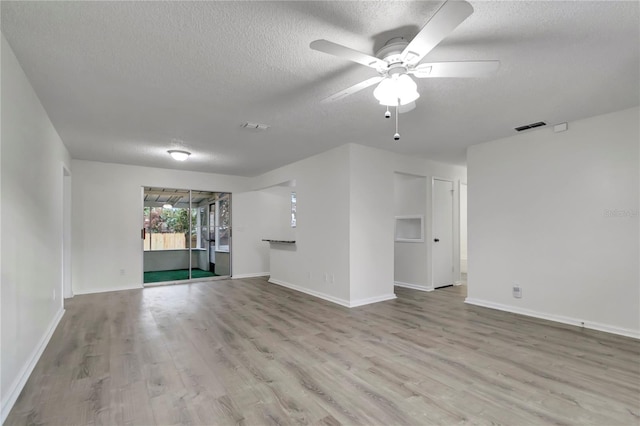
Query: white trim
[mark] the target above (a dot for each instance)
(413, 286)
(18, 384)
(311, 292)
(336, 300)
(253, 275)
(191, 281)
(106, 290)
(370, 300)
(627, 332)
(67, 209)
(142, 239)
(457, 283)
(461, 260)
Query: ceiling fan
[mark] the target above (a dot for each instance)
(399, 59)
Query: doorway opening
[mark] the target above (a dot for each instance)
(186, 235)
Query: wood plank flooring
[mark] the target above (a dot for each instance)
(249, 352)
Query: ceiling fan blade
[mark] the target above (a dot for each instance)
(348, 53)
(353, 89)
(442, 23)
(456, 69)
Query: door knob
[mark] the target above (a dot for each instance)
(436, 240)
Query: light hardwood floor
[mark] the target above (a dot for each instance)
(249, 352)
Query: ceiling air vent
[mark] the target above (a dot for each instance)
(531, 126)
(255, 127)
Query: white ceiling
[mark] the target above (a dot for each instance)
(120, 80)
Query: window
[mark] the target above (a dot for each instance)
(293, 209)
(223, 219)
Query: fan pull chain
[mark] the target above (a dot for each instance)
(397, 135)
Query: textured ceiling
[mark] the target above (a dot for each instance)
(120, 80)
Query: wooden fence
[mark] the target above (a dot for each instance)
(166, 241)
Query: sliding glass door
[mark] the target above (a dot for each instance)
(178, 244)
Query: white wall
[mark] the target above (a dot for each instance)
(410, 258)
(276, 212)
(107, 218)
(538, 215)
(250, 256)
(371, 225)
(430, 169)
(345, 244)
(319, 262)
(32, 159)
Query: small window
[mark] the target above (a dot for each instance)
(293, 209)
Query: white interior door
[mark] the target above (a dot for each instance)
(442, 244)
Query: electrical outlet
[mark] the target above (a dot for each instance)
(517, 291)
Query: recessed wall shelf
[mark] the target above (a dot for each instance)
(409, 229)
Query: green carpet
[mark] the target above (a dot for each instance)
(175, 275)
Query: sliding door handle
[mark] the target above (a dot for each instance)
(143, 233)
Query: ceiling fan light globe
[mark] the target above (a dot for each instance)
(405, 86)
(385, 91)
(409, 97)
(397, 90)
(404, 100)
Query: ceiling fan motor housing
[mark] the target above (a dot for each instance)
(391, 52)
(396, 69)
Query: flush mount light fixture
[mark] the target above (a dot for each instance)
(178, 154)
(167, 206)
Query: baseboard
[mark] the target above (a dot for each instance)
(106, 290)
(16, 387)
(557, 318)
(370, 300)
(336, 300)
(254, 275)
(314, 293)
(457, 283)
(413, 286)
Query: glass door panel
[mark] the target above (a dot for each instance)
(201, 267)
(167, 229)
(220, 234)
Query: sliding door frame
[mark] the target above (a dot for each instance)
(189, 248)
